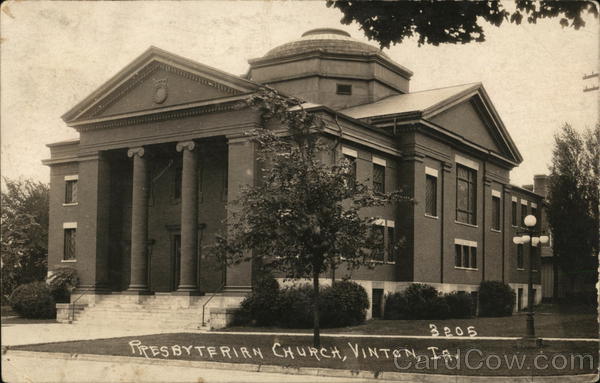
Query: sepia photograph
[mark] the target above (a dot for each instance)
(299, 191)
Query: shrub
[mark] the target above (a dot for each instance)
(395, 305)
(421, 301)
(261, 306)
(33, 300)
(343, 304)
(424, 302)
(296, 307)
(460, 304)
(495, 299)
(63, 281)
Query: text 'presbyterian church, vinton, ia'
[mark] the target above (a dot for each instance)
(162, 149)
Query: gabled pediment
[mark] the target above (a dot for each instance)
(154, 81)
(473, 117)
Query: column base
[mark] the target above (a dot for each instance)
(137, 291)
(187, 293)
(237, 290)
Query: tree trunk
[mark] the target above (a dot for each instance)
(316, 328)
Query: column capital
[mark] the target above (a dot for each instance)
(188, 145)
(139, 151)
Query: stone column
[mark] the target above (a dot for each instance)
(189, 219)
(139, 223)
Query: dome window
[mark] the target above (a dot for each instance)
(344, 89)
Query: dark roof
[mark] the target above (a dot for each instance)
(422, 101)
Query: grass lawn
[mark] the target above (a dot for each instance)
(551, 321)
(464, 357)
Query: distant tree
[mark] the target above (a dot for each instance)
(24, 233)
(437, 22)
(303, 216)
(573, 201)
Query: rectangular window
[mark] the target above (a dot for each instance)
(344, 89)
(352, 161)
(391, 244)
(458, 255)
(69, 244)
(465, 254)
(496, 213)
(431, 195)
(70, 190)
(378, 178)
(534, 213)
(466, 195)
(515, 219)
(520, 257)
(378, 236)
(523, 213)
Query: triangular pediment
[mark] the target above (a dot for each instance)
(473, 117)
(155, 81)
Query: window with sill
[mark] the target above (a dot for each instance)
(378, 237)
(70, 237)
(391, 244)
(465, 256)
(352, 161)
(431, 195)
(520, 257)
(378, 178)
(534, 213)
(523, 213)
(466, 195)
(71, 191)
(515, 218)
(496, 213)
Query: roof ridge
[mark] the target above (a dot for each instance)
(445, 87)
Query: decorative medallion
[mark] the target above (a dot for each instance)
(160, 91)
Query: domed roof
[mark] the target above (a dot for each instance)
(324, 39)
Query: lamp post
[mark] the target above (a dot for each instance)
(524, 236)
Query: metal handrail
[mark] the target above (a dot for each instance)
(209, 299)
(72, 316)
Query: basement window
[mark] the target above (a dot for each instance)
(344, 89)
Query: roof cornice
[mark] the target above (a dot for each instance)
(318, 53)
(143, 63)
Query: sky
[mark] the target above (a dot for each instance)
(54, 54)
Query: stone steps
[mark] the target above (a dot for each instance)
(172, 312)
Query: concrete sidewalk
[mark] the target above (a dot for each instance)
(31, 332)
(24, 366)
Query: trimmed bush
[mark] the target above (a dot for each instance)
(343, 304)
(295, 307)
(421, 301)
(395, 304)
(33, 300)
(261, 307)
(460, 304)
(496, 299)
(63, 281)
(424, 302)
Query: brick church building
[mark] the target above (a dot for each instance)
(161, 150)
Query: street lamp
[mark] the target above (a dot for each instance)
(530, 235)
